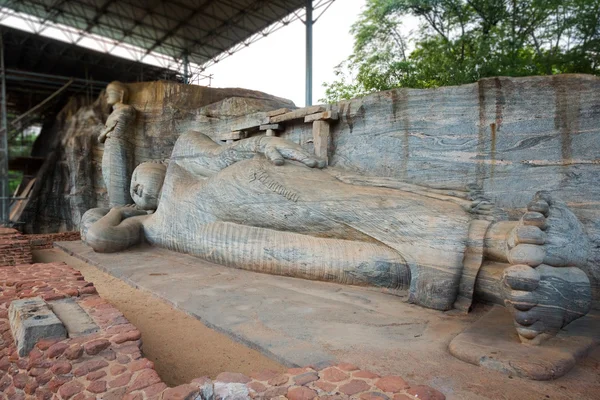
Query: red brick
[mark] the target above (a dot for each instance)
(181, 392)
(275, 391)
(347, 367)
(5, 382)
(96, 346)
(94, 376)
(257, 387)
(306, 378)
(89, 366)
(279, 380)
(127, 337)
(74, 352)
(117, 369)
(333, 374)
(121, 380)
(232, 377)
(425, 393)
(4, 363)
(97, 387)
(264, 375)
(364, 374)
(44, 344)
(391, 384)
(88, 290)
(20, 380)
(144, 378)
(44, 378)
(56, 349)
(70, 389)
(30, 388)
(37, 371)
(354, 386)
(154, 389)
(301, 393)
(61, 368)
(325, 386)
(140, 364)
(43, 394)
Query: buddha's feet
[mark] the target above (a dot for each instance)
(544, 289)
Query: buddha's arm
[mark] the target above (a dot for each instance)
(199, 154)
(118, 123)
(118, 230)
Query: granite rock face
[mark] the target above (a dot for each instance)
(511, 137)
(71, 178)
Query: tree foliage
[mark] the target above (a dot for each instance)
(461, 41)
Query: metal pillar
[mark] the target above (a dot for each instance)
(309, 46)
(3, 143)
(186, 69)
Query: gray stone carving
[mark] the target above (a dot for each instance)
(265, 204)
(117, 159)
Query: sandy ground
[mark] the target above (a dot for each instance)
(181, 347)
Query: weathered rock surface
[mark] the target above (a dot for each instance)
(71, 179)
(510, 136)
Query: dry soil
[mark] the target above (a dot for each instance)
(181, 347)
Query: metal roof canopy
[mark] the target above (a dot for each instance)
(204, 31)
(186, 32)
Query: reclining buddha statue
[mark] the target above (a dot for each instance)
(264, 204)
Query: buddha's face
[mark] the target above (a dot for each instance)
(146, 184)
(116, 92)
(113, 97)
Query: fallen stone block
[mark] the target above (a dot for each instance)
(31, 320)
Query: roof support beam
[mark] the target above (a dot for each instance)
(309, 43)
(3, 142)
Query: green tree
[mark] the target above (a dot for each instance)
(461, 41)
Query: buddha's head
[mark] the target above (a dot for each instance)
(146, 184)
(116, 92)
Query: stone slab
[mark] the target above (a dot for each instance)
(492, 342)
(294, 321)
(299, 322)
(296, 114)
(75, 319)
(31, 320)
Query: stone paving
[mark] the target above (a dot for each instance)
(109, 364)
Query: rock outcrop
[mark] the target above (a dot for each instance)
(508, 137)
(70, 181)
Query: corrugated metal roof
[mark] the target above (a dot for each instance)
(203, 30)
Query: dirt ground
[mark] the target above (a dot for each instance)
(181, 347)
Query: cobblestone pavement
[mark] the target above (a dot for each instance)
(109, 364)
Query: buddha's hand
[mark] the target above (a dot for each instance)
(277, 150)
(128, 211)
(107, 131)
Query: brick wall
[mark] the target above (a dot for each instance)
(15, 248)
(45, 240)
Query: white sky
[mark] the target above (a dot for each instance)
(276, 64)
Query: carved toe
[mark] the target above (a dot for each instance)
(534, 218)
(528, 254)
